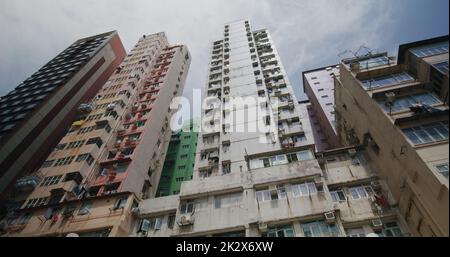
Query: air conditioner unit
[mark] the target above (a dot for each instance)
(110, 107)
(186, 220)
(330, 217)
(352, 152)
(377, 224)
(262, 227)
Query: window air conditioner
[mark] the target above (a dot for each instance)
(186, 220)
(262, 227)
(352, 152)
(377, 224)
(330, 217)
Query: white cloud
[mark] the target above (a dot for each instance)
(307, 33)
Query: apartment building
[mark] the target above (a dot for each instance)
(111, 157)
(35, 115)
(399, 111)
(318, 84)
(180, 160)
(267, 182)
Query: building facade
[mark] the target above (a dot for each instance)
(268, 182)
(112, 156)
(35, 115)
(318, 84)
(399, 111)
(180, 160)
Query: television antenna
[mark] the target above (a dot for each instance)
(357, 52)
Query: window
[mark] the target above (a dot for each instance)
(442, 67)
(319, 229)
(181, 167)
(60, 146)
(144, 225)
(96, 140)
(25, 218)
(48, 163)
(305, 155)
(205, 173)
(64, 161)
(85, 157)
(387, 80)
(98, 233)
(428, 133)
(338, 196)
(179, 179)
(355, 232)
(390, 229)
(185, 146)
(36, 202)
(183, 156)
(84, 208)
(431, 49)
(304, 189)
(120, 203)
(405, 102)
(226, 168)
(281, 159)
(156, 223)
(229, 200)
(263, 195)
(281, 231)
(52, 180)
(171, 220)
(373, 62)
(360, 192)
(443, 169)
(187, 207)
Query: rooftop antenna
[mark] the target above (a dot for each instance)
(356, 53)
(363, 47)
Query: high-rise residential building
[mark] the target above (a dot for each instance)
(180, 160)
(399, 110)
(265, 181)
(318, 84)
(112, 155)
(35, 115)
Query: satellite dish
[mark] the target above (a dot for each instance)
(72, 235)
(372, 235)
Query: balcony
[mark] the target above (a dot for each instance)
(28, 183)
(214, 85)
(210, 143)
(108, 177)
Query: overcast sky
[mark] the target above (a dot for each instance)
(307, 34)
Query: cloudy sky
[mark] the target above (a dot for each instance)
(307, 34)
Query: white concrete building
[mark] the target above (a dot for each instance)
(255, 183)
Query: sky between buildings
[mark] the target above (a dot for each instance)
(307, 33)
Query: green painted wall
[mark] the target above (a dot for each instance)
(179, 162)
